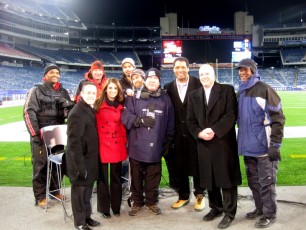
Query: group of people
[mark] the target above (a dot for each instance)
(190, 122)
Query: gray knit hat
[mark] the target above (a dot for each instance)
(138, 72)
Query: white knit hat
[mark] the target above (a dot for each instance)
(128, 60)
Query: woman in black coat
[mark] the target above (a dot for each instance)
(83, 156)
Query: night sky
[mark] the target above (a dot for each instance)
(193, 13)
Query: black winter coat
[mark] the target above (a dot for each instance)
(44, 106)
(125, 83)
(218, 157)
(185, 159)
(82, 146)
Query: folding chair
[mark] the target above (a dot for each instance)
(55, 136)
(126, 181)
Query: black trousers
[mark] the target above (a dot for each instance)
(145, 180)
(227, 204)
(261, 174)
(39, 177)
(109, 193)
(80, 202)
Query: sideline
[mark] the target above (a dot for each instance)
(17, 131)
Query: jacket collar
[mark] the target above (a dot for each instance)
(244, 85)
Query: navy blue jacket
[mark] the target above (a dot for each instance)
(260, 118)
(145, 144)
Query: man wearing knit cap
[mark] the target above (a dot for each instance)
(261, 124)
(96, 75)
(149, 120)
(128, 60)
(47, 103)
(137, 78)
(128, 65)
(50, 67)
(153, 73)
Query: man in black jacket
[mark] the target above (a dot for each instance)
(83, 156)
(47, 103)
(183, 162)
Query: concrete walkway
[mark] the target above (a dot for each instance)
(18, 212)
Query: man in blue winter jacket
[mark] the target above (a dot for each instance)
(150, 122)
(261, 123)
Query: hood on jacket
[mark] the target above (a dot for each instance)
(244, 85)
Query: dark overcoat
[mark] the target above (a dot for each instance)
(82, 144)
(217, 157)
(185, 157)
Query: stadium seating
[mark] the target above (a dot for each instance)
(294, 55)
(44, 12)
(7, 50)
(22, 79)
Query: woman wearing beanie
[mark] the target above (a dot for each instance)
(112, 145)
(96, 75)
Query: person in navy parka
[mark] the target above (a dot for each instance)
(150, 122)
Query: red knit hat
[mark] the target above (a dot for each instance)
(97, 65)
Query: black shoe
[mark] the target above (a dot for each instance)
(92, 223)
(83, 227)
(225, 222)
(254, 214)
(212, 215)
(116, 213)
(106, 215)
(264, 222)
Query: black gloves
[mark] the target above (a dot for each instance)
(36, 139)
(148, 122)
(144, 121)
(274, 153)
(65, 103)
(82, 174)
(168, 145)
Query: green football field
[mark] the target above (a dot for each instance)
(15, 157)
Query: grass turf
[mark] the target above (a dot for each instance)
(16, 167)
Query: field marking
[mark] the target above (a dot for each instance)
(298, 156)
(16, 159)
(9, 116)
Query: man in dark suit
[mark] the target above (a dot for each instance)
(211, 117)
(83, 156)
(182, 161)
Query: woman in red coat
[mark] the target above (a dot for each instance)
(112, 146)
